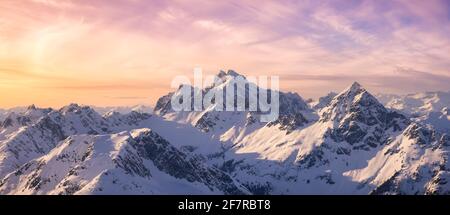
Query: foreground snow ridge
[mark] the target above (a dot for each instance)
(345, 143)
(135, 162)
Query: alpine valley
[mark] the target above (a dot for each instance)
(344, 143)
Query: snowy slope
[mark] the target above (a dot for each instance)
(135, 162)
(416, 162)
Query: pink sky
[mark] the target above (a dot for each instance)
(124, 52)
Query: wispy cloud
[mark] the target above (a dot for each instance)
(397, 81)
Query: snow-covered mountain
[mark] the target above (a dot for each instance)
(417, 104)
(135, 162)
(34, 133)
(347, 143)
(123, 109)
(293, 113)
(100, 110)
(429, 108)
(47, 148)
(19, 110)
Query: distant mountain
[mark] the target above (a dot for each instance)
(323, 101)
(5, 112)
(419, 103)
(428, 108)
(100, 110)
(347, 143)
(123, 109)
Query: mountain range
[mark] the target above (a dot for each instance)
(350, 142)
(430, 108)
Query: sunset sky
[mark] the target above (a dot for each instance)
(124, 52)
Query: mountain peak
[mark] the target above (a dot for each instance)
(75, 108)
(354, 98)
(71, 106)
(221, 74)
(353, 90)
(356, 84)
(31, 107)
(355, 87)
(230, 72)
(226, 76)
(233, 73)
